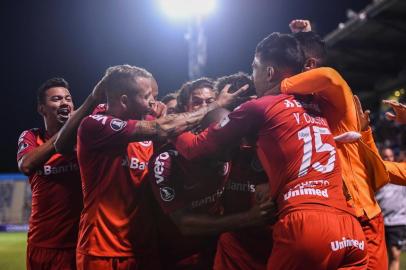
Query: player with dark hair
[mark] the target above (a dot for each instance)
(363, 170)
(54, 179)
(316, 229)
(170, 101)
(248, 248)
(116, 228)
(190, 194)
(195, 93)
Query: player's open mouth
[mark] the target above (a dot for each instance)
(64, 113)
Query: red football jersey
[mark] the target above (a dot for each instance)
(246, 248)
(181, 184)
(56, 196)
(116, 219)
(294, 144)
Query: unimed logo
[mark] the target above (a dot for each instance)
(340, 244)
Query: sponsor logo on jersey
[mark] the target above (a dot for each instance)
(208, 199)
(240, 187)
(159, 165)
(340, 244)
(117, 124)
(53, 170)
(167, 193)
(313, 187)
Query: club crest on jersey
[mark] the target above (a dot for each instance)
(22, 146)
(167, 193)
(117, 124)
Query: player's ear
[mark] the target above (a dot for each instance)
(310, 63)
(270, 73)
(124, 101)
(40, 109)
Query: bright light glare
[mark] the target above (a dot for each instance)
(182, 9)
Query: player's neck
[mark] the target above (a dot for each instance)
(117, 112)
(52, 128)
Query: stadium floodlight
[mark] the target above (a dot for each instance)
(193, 11)
(186, 9)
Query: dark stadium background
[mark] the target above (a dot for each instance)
(78, 40)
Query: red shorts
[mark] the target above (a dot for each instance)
(318, 239)
(245, 249)
(50, 258)
(88, 262)
(374, 230)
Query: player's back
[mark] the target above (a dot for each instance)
(298, 153)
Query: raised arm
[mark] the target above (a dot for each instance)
(325, 82)
(174, 124)
(217, 138)
(66, 139)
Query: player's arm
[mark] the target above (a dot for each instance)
(399, 109)
(325, 82)
(174, 124)
(66, 139)
(33, 156)
(201, 224)
(397, 172)
(245, 120)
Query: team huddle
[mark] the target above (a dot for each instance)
(276, 170)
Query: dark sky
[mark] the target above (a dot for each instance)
(79, 39)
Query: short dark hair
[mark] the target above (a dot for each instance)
(283, 50)
(169, 97)
(237, 80)
(53, 82)
(313, 46)
(120, 79)
(187, 89)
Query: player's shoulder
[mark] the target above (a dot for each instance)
(100, 121)
(30, 133)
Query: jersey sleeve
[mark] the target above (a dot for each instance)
(244, 120)
(324, 82)
(26, 143)
(105, 133)
(397, 172)
(167, 190)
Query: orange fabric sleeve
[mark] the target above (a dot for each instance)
(324, 82)
(397, 172)
(334, 94)
(368, 139)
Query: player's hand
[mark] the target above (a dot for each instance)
(158, 109)
(400, 111)
(226, 99)
(300, 26)
(261, 193)
(363, 115)
(264, 213)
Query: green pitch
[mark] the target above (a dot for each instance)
(12, 251)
